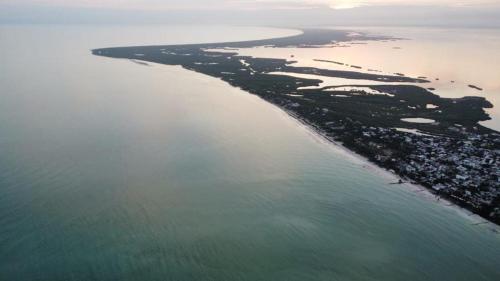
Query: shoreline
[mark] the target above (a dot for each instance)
(319, 135)
(368, 165)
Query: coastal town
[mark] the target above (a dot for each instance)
(450, 153)
(464, 171)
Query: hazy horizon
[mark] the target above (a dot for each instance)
(259, 12)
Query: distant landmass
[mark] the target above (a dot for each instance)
(426, 139)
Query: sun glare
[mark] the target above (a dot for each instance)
(340, 5)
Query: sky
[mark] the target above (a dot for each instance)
(245, 4)
(274, 12)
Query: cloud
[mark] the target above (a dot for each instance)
(477, 13)
(341, 4)
(244, 4)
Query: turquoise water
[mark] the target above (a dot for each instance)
(110, 170)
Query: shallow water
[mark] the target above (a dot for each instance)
(111, 170)
(418, 120)
(452, 59)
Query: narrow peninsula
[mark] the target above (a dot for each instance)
(398, 124)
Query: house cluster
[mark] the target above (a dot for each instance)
(465, 170)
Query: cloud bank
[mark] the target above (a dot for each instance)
(468, 13)
(245, 4)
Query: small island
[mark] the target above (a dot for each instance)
(451, 153)
(475, 87)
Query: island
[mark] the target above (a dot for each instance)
(475, 87)
(398, 124)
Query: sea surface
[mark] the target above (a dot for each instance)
(113, 170)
